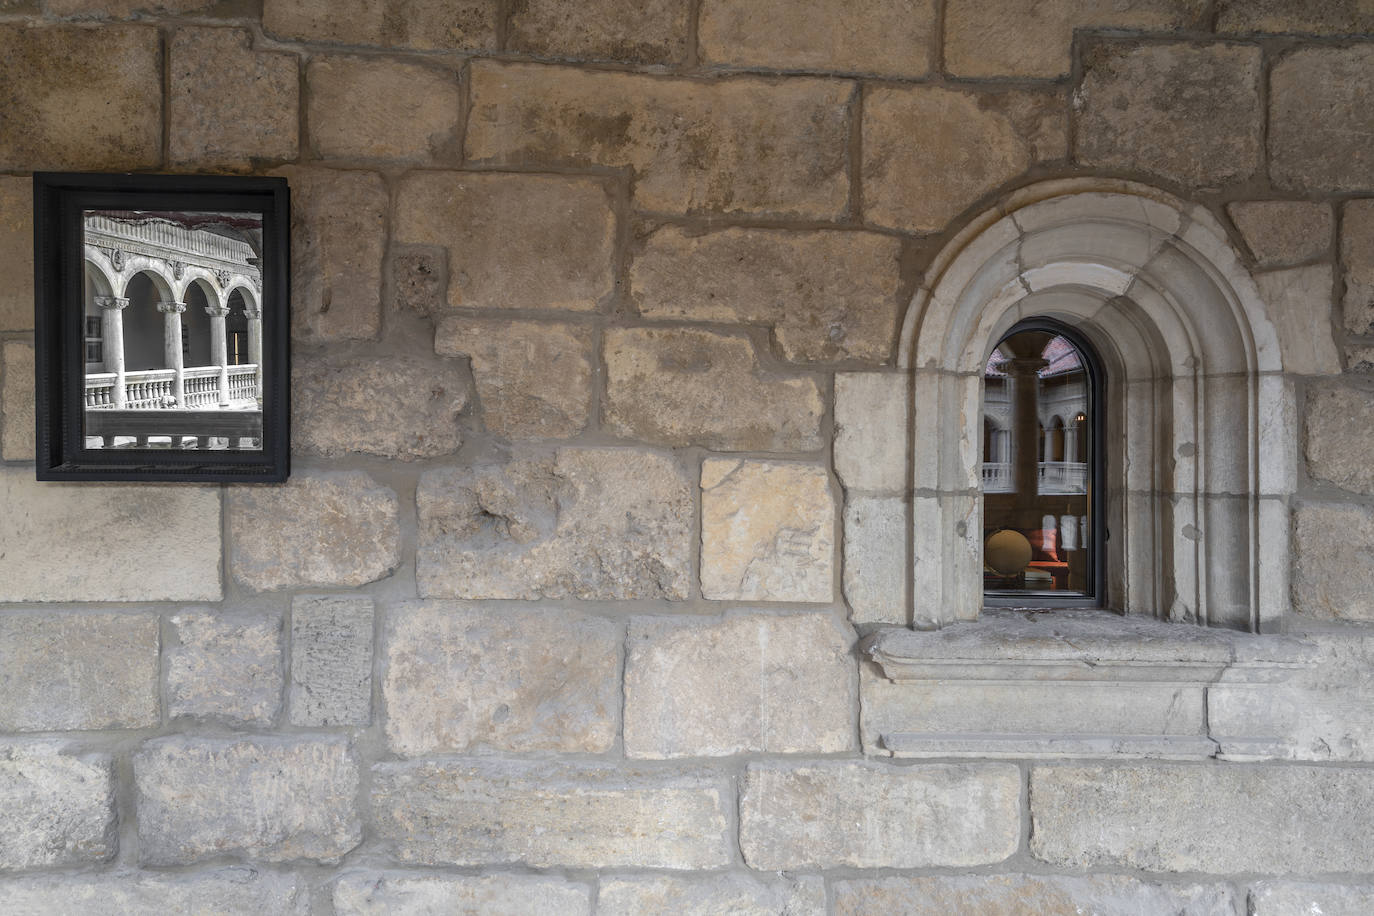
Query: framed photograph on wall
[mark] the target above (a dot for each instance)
(162, 327)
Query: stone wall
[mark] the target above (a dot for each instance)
(557, 613)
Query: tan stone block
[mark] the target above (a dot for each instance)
(1333, 560)
(1359, 359)
(876, 573)
(231, 891)
(331, 660)
(1185, 111)
(16, 253)
(970, 143)
(419, 279)
(513, 241)
(826, 295)
(372, 108)
(1315, 17)
(16, 400)
(1357, 258)
(59, 807)
(637, 31)
(871, 417)
(677, 387)
(736, 894)
(383, 894)
(424, 25)
(1340, 438)
(883, 37)
(746, 145)
(1300, 302)
(79, 98)
(1281, 233)
(122, 9)
(226, 668)
(1015, 895)
(1320, 120)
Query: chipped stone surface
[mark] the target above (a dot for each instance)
(419, 279)
(1288, 898)
(1317, 17)
(678, 387)
(323, 528)
(16, 253)
(1284, 232)
(269, 799)
(584, 523)
(16, 401)
(382, 894)
(767, 531)
(1357, 258)
(235, 891)
(422, 25)
(1300, 306)
(1333, 560)
(121, 9)
(373, 108)
(534, 378)
(765, 683)
(1340, 437)
(738, 895)
(331, 660)
(460, 678)
(826, 295)
(59, 807)
(1014, 895)
(635, 31)
(868, 407)
(228, 668)
(746, 145)
(1320, 119)
(876, 575)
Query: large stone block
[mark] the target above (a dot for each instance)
(497, 812)
(331, 660)
(584, 523)
(534, 378)
(635, 31)
(79, 98)
(382, 894)
(1333, 560)
(1015, 895)
(826, 295)
(738, 895)
(227, 668)
(971, 143)
(59, 807)
(877, 576)
(1357, 258)
(845, 813)
(121, 9)
(338, 529)
(1319, 119)
(1211, 819)
(1340, 437)
(378, 109)
(16, 400)
(268, 799)
(745, 145)
(681, 386)
(1290, 898)
(1317, 17)
(461, 679)
(16, 253)
(767, 531)
(871, 410)
(1282, 233)
(241, 891)
(1300, 302)
(750, 683)
(80, 542)
(422, 25)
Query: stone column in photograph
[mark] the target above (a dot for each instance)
(1025, 384)
(254, 317)
(171, 343)
(112, 332)
(219, 348)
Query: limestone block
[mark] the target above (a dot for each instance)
(678, 387)
(826, 295)
(228, 104)
(534, 378)
(1300, 302)
(1188, 112)
(1340, 437)
(870, 815)
(1281, 233)
(1287, 898)
(1014, 895)
(971, 142)
(235, 891)
(79, 542)
(422, 25)
(227, 668)
(1091, 817)
(16, 253)
(584, 523)
(991, 38)
(404, 894)
(742, 145)
(513, 241)
(397, 407)
(59, 807)
(538, 814)
(460, 679)
(1357, 258)
(750, 683)
(635, 31)
(767, 531)
(378, 109)
(871, 423)
(883, 37)
(16, 400)
(1319, 118)
(121, 9)
(1333, 560)
(269, 799)
(1359, 358)
(739, 895)
(1317, 17)
(876, 573)
(78, 98)
(419, 279)
(331, 660)
(337, 529)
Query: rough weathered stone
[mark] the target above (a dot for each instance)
(270, 799)
(372, 108)
(826, 295)
(1320, 119)
(240, 891)
(705, 687)
(79, 98)
(331, 660)
(16, 253)
(513, 241)
(1088, 817)
(16, 400)
(1357, 258)
(883, 37)
(971, 142)
(745, 145)
(1281, 233)
(876, 575)
(167, 548)
(871, 815)
(459, 679)
(1044, 895)
(767, 531)
(738, 895)
(1300, 306)
(229, 104)
(382, 894)
(1340, 437)
(419, 279)
(225, 667)
(1289, 898)
(495, 812)
(59, 807)
(121, 9)
(317, 529)
(1319, 17)
(1333, 560)
(677, 387)
(868, 407)
(399, 407)
(1359, 358)
(637, 31)
(534, 378)
(424, 25)
(585, 523)
(1188, 112)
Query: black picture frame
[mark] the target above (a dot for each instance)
(188, 423)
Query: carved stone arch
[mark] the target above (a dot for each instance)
(98, 273)
(245, 289)
(194, 275)
(154, 268)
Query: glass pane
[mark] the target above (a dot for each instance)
(1037, 536)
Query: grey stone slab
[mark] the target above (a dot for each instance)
(227, 668)
(409, 894)
(331, 660)
(1043, 895)
(1292, 898)
(234, 891)
(738, 895)
(59, 806)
